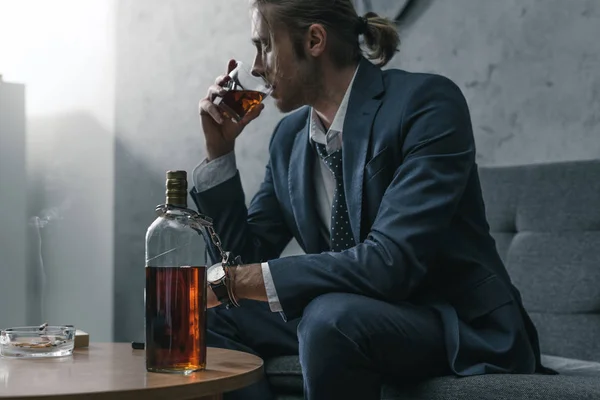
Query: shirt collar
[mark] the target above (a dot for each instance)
(332, 138)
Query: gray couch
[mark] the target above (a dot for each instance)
(546, 222)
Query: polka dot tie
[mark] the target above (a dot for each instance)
(341, 234)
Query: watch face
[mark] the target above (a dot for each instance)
(215, 273)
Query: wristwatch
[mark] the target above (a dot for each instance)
(219, 281)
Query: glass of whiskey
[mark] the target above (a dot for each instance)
(244, 91)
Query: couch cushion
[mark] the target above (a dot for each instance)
(559, 272)
(500, 387)
(573, 334)
(577, 379)
(285, 373)
(546, 222)
(570, 366)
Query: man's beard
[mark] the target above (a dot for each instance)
(303, 88)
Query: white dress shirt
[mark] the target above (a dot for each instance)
(210, 174)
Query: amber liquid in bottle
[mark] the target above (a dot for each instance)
(175, 319)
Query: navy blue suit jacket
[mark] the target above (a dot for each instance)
(416, 213)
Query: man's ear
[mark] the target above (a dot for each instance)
(316, 40)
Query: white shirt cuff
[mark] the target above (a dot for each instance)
(274, 304)
(209, 174)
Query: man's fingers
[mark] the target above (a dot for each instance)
(211, 298)
(231, 65)
(214, 91)
(207, 107)
(220, 79)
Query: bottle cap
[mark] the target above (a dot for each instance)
(176, 188)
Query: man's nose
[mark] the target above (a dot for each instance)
(258, 68)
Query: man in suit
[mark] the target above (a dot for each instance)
(374, 175)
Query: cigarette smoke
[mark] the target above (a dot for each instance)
(38, 223)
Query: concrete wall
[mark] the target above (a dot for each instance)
(528, 68)
(63, 51)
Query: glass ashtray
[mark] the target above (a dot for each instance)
(37, 341)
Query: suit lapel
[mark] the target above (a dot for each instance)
(302, 191)
(363, 105)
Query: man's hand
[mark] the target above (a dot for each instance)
(211, 298)
(219, 132)
(247, 283)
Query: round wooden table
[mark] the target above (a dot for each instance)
(115, 371)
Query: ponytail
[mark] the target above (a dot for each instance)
(380, 36)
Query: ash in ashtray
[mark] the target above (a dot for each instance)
(41, 342)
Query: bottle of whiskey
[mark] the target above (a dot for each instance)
(175, 295)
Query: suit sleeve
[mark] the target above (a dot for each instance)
(207, 174)
(416, 209)
(256, 234)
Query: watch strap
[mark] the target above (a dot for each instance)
(220, 290)
(223, 291)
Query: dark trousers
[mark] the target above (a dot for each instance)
(348, 344)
